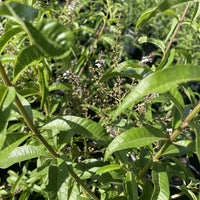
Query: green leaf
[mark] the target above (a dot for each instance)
(81, 126)
(128, 73)
(23, 153)
(161, 183)
(157, 42)
(175, 96)
(3, 92)
(196, 128)
(131, 186)
(159, 82)
(7, 36)
(5, 110)
(108, 168)
(147, 191)
(135, 137)
(11, 142)
(8, 58)
(59, 86)
(44, 87)
(57, 176)
(23, 11)
(52, 37)
(25, 58)
(151, 13)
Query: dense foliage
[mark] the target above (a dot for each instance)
(99, 99)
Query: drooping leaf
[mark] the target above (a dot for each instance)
(5, 38)
(131, 186)
(23, 153)
(108, 168)
(8, 97)
(52, 37)
(157, 42)
(13, 9)
(161, 183)
(80, 126)
(151, 13)
(135, 137)
(25, 58)
(57, 176)
(159, 82)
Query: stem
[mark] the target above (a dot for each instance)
(36, 132)
(176, 30)
(174, 135)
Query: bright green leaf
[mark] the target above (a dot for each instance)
(23, 153)
(80, 126)
(5, 110)
(52, 37)
(11, 142)
(57, 176)
(107, 168)
(133, 138)
(131, 186)
(4, 39)
(159, 82)
(161, 183)
(151, 13)
(25, 58)
(59, 86)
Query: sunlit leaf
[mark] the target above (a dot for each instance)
(107, 168)
(80, 126)
(25, 58)
(56, 177)
(7, 97)
(161, 183)
(135, 137)
(5, 38)
(23, 153)
(159, 82)
(163, 6)
(131, 186)
(11, 142)
(52, 37)
(59, 86)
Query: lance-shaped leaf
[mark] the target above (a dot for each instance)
(5, 110)
(161, 183)
(59, 86)
(159, 82)
(3, 92)
(15, 10)
(52, 37)
(81, 126)
(131, 186)
(23, 153)
(11, 142)
(57, 177)
(135, 137)
(25, 58)
(107, 168)
(163, 6)
(7, 36)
